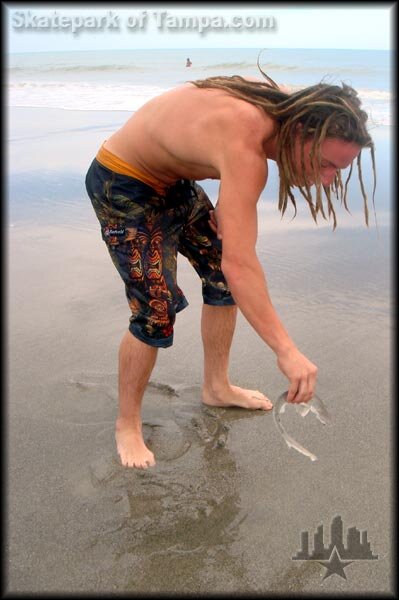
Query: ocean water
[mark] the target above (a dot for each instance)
(125, 79)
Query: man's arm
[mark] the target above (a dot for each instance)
(243, 176)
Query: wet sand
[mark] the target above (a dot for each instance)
(224, 508)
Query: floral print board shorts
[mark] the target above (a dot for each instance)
(144, 231)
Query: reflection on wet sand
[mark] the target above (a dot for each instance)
(177, 521)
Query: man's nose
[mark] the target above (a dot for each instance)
(328, 178)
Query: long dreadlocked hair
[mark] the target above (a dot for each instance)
(323, 111)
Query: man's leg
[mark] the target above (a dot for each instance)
(141, 230)
(217, 329)
(136, 361)
(200, 245)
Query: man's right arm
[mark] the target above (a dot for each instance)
(243, 176)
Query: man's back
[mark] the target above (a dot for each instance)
(184, 133)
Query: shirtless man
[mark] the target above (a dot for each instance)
(142, 186)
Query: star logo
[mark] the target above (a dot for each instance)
(335, 565)
(337, 555)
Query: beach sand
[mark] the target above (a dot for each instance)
(224, 508)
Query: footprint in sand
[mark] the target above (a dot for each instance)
(163, 435)
(165, 439)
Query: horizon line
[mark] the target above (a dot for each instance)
(190, 48)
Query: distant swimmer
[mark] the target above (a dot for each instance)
(188, 63)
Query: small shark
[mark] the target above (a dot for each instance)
(315, 406)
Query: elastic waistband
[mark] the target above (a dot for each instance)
(116, 164)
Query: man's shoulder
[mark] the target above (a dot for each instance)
(224, 107)
(248, 122)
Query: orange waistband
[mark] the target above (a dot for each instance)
(116, 164)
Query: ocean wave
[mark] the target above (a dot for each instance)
(150, 67)
(229, 65)
(81, 96)
(320, 68)
(364, 93)
(376, 94)
(54, 68)
(96, 96)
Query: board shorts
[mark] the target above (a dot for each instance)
(144, 228)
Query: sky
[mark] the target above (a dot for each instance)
(169, 25)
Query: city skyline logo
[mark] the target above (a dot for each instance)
(336, 557)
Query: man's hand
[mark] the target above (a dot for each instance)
(213, 222)
(301, 372)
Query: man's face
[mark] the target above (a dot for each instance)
(335, 154)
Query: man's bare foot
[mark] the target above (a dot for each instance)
(131, 447)
(236, 396)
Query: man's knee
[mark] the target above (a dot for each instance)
(217, 294)
(153, 323)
